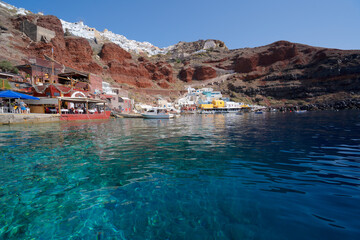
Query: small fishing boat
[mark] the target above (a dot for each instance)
(300, 111)
(130, 115)
(157, 113)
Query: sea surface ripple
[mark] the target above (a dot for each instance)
(250, 176)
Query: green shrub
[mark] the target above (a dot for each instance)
(8, 67)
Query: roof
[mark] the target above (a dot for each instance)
(43, 100)
(81, 100)
(38, 62)
(12, 94)
(81, 85)
(108, 95)
(74, 74)
(60, 88)
(10, 75)
(125, 98)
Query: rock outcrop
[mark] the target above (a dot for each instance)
(124, 69)
(188, 74)
(159, 71)
(111, 51)
(191, 47)
(204, 73)
(80, 54)
(281, 51)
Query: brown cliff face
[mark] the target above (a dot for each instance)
(164, 84)
(111, 51)
(79, 49)
(279, 73)
(159, 71)
(130, 74)
(187, 74)
(278, 52)
(80, 55)
(141, 73)
(282, 71)
(122, 68)
(77, 53)
(73, 52)
(52, 23)
(246, 64)
(204, 73)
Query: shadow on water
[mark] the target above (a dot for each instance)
(268, 176)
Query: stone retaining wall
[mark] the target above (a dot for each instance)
(8, 118)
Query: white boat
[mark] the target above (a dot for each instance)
(157, 113)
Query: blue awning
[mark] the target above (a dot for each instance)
(12, 94)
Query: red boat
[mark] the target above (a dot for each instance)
(188, 109)
(75, 114)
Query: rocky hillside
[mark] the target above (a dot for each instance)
(295, 72)
(282, 73)
(111, 61)
(104, 58)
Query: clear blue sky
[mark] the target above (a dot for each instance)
(250, 23)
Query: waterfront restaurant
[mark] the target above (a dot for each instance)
(82, 109)
(40, 71)
(44, 105)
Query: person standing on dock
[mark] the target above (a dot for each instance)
(23, 107)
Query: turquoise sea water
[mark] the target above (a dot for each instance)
(269, 176)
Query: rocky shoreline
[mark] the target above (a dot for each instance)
(330, 105)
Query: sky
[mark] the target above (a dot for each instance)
(239, 23)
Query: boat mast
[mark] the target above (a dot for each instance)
(52, 65)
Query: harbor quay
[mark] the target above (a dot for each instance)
(13, 118)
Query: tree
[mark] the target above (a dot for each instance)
(8, 67)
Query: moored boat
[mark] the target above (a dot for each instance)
(130, 115)
(157, 113)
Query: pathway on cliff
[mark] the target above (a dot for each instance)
(211, 81)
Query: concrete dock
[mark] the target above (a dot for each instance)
(11, 118)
